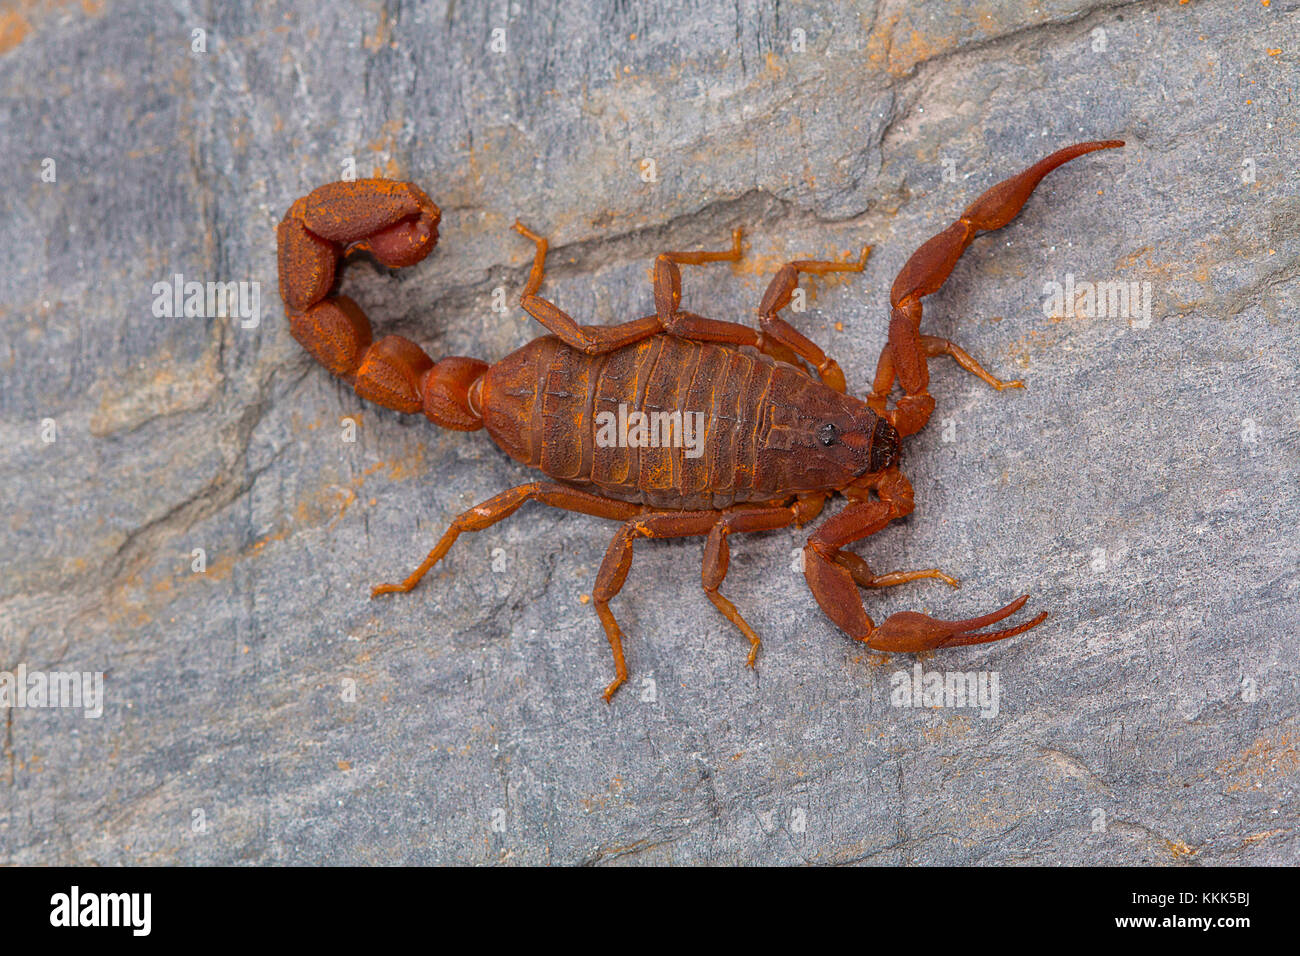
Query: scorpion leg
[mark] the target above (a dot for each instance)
(681, 524)
(618, 561)
(688, 325)
(779, 335)
(397, 224)
(668, 298)
(502, 506)
(717, 553)
(934, 346)
(590, 339)
(904, 357)
(867, 578)
(834, 584)
(597, 340)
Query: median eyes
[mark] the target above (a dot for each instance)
(828, 434)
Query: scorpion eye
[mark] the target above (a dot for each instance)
(828, 434)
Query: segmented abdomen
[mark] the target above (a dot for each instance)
(543, 405)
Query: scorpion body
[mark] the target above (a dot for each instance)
(543, 403)
(779, 432)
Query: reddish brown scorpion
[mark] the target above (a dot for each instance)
(780, 434)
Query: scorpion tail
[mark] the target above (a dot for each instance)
(904, 358)
(398, 225)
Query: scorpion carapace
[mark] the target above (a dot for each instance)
(775, 431)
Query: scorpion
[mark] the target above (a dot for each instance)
(781, 436)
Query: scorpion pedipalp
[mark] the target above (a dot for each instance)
(834, 576)
(903, 359)
(908, 631)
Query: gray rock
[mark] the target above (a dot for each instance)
(1142, 487)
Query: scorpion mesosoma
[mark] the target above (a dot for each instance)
(780, 438)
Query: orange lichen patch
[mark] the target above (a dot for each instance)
(898, 50)
(409, 466)
(599, 800)
(386, 143)
(957, 727)
(345, 765)
(157, 149)
(15, 25)
(13, 30)
(912, 49)
(1199, 262)
(326, 505)
(1020, 350)
(1262, 835)
(159, 388)
(220, 569)
(124, 611)
(1268, 757)
(400, 469)
(382, 35)
(1180, 850)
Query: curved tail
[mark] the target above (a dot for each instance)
(397, 224)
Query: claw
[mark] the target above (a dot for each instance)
(834, 575)
(904, 359)
(908, 632)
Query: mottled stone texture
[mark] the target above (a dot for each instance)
(1143, 487)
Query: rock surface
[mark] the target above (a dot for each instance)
(1143, 487)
